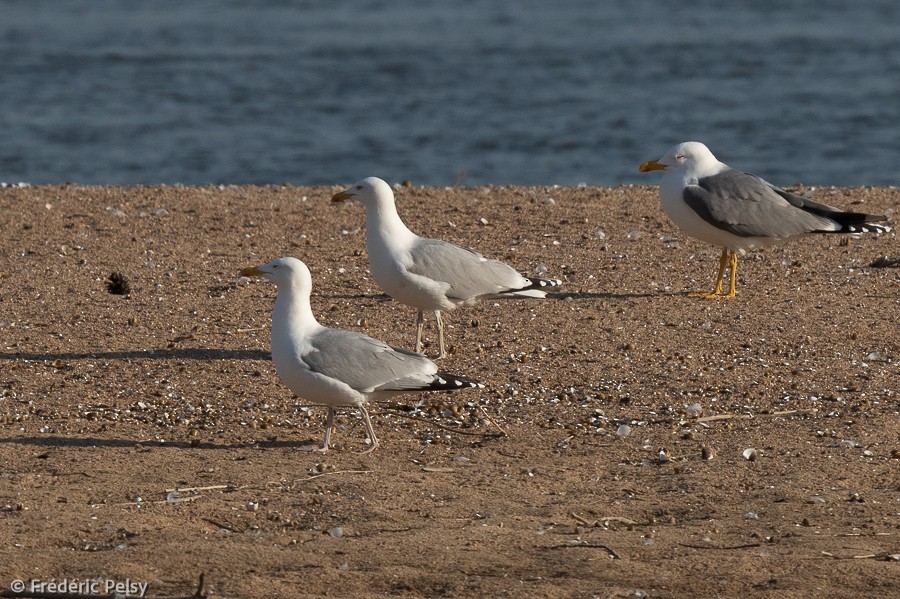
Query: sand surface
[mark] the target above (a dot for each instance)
(522, 489)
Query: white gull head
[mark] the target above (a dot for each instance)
(689, 160)
(283, 272)
(371, 191)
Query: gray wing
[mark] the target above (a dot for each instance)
(749, 206)
(468, 274)
(367, 364)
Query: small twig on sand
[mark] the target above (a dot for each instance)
(789, 412)
(715, 417)
(492, 421)
(312, 476)
(721, 548)
(516, 456)
(166, 500)
(582, 520)
(888, 557)
(220, 525)
(720, 417)
(618, 519)
(612, 552)
(193, 489)
(179, 499)
(605, 519)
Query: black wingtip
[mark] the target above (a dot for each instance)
(539, 283)
(857, 227)
(450, 382)
(867, 228)
(536, 285)
(859, 222)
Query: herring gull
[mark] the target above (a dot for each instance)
(717, 204)
(430, 274)
(334, 367)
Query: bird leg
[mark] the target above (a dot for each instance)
(440, 328)
(723, 264)
(329, 424)
(369, 430)
(420, 324)
(733, 278)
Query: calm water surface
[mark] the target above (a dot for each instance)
(470, 91)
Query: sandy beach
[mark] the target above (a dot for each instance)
(147, 438)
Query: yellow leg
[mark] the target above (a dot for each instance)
(733, 278)
(723, 264)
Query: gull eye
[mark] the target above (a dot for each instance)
(359, 187)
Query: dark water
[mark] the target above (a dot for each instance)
(104, 91)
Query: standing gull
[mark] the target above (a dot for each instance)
(430, 274)
(334, 367)
(717, 204)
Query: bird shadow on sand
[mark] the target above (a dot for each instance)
(377, 297)
(145, 354)
(556, 296)
(607, 296)
(51, 441)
